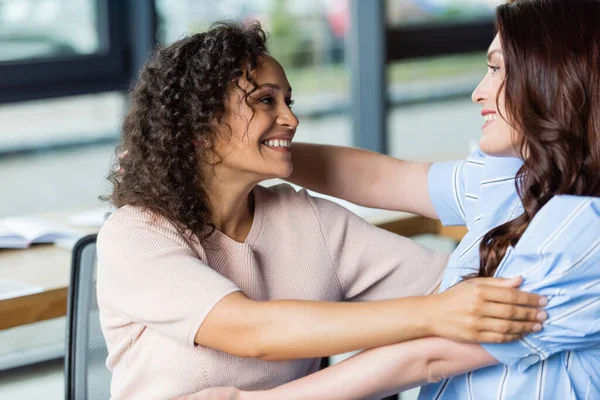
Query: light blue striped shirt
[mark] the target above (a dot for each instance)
(558, 257)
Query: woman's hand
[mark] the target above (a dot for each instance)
(219, 393)
(488, 310)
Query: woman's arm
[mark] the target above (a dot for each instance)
(363, 177)
(383, 371)
(290, 329)
(372, 374)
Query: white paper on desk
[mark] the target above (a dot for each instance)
(12, 289)
(20, 232)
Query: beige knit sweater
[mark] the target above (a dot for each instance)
(155, 288)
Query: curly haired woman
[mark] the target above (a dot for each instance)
(541, 104)
(207, 279)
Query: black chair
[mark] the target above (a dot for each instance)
(86, 375)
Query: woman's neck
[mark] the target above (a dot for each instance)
(232, 208)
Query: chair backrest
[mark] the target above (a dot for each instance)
(86, 375)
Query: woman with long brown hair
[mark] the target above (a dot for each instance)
(531, 201)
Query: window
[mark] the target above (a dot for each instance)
(55, 154)
(34, 30)
(424, 12)
(424, 28)
(52, 48)
(436, 57)
(308, 37)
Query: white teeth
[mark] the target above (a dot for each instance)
(489, 117)
(278, 143)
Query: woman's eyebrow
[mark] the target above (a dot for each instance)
(273, 86)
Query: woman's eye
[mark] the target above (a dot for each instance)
(494, 69)
(290, 103)
(267, 100)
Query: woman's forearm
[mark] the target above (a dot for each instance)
(469, 311)
(383, 371)
(363, 177)
(323, 329)
(333, 170)
(292, 329)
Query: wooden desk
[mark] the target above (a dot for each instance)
(48, 267)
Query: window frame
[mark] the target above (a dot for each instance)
(408, 42)
(370, 102)
(107, 70)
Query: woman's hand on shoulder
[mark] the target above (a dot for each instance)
(486, 310)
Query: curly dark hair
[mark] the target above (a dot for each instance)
(177, 102)
(552, 96)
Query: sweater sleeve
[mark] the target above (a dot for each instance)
(150, 275)
(374, 264)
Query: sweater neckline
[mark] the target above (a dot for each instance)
(224, 241)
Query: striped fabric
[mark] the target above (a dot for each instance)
(558, 256)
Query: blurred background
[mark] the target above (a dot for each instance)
(65, 66)
(393, 76)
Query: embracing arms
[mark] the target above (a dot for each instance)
(372, 374)
(363, 177)
(148, 274)
(383, 371)
(280, 330)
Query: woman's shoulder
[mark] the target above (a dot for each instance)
(294, 197)
(563, 220)
(565, 202)
(297, 202)
(283, 195)
(566, 209)
(135, 222)
(135, 215)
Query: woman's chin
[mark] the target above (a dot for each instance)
(494, 149)
(284, 174)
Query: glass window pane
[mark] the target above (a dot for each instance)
(409, 12)
(308, 37)
(43, 29)
(55, 154)
(431, 115)
(443, 123)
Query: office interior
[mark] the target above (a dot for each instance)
(392, 76)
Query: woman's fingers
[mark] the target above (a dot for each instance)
(512, 312)
(487, 310)
(507, 295)
(507, 328)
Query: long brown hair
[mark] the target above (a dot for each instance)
(552, 95)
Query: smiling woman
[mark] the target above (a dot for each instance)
(259, 105)
(498, 138)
